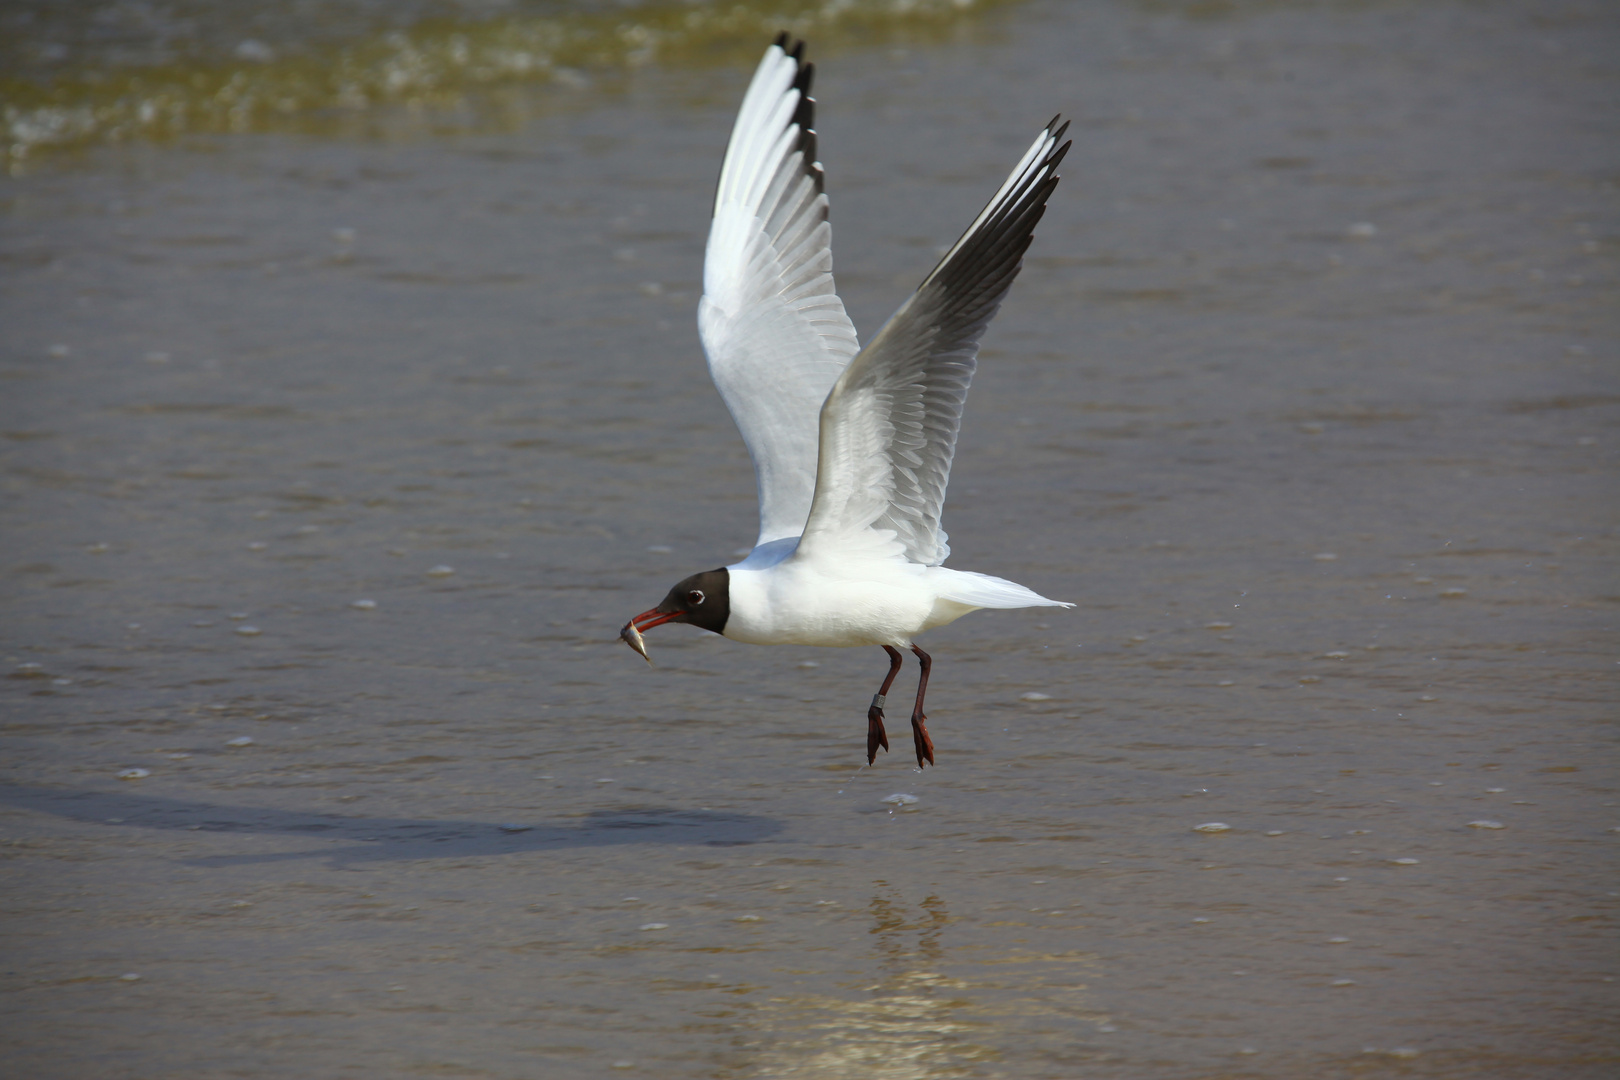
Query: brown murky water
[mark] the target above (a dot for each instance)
(1307, 395)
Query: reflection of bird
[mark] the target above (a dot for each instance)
(852, 447)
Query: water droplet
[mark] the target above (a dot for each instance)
(900, 799)
(1212, 827)
(240, 740)
(134, 774)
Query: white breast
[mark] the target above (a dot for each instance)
(797, 602)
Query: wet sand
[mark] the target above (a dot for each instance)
(1306, 395)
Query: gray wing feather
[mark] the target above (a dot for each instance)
(889, 425)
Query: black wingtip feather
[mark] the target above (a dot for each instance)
(787, 44)
(804, 115)
(982, 270)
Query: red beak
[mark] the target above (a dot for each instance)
(658, 618)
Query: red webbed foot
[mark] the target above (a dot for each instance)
(875, 735)
(919, 735)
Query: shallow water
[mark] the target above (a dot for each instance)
(1306, 395)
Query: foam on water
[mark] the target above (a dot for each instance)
(332, 68)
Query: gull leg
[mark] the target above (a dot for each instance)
(919, 733)
(875, 735)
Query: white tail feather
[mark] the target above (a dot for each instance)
(984, 591)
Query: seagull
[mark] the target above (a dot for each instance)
(851, 447)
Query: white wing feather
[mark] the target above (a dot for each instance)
(889, 425)
(772, 325)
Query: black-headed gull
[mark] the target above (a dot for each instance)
(852, 447)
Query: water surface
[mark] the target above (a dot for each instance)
(1306, 395)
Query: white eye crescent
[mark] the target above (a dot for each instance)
(695, 597)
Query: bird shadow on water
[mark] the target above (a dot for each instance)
(393, 839)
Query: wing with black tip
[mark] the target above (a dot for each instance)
(889, 425)
(773, 327)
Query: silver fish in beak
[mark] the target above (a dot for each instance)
(632, 637)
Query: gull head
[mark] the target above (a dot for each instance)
(702, 600)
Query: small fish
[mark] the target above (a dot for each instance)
(632, 637)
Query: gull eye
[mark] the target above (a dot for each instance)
(695, 597)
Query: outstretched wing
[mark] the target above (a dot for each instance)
(888, 428)
(772, 325)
